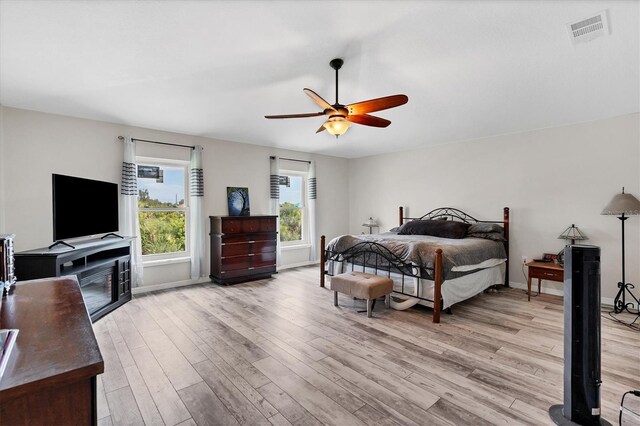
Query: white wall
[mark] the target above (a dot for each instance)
(549, 178)
(34, 145)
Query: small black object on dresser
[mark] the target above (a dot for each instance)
(7, 275)
(102, 268)
(243, 248)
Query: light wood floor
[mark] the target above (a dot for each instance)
(278, 352)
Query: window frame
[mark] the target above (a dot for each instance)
(185, 165)
(305, 210)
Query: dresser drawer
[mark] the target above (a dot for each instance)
(235, 262)
(246, 238)
(232, 226)
(259, 225)
(233, 238)
(240, 275)
(236, 249)
(268, 225)
(265, 246)
(547, 274)
(263, 259)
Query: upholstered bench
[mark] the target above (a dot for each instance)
(362, 286)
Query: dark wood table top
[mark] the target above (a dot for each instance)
(546, 265)
(56, 343)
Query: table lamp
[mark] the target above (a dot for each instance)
(370, 223)
(572, 233)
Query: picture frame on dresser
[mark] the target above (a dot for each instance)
(238, 201)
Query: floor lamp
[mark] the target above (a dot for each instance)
(624, 205)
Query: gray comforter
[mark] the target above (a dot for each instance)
(419, 250)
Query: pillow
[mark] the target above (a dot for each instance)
(436, 228)
(397, 228)
(494, 236)
(485, 227)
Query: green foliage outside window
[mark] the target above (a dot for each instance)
(290, 222)
(161, 231)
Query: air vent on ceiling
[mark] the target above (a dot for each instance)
(589, 28)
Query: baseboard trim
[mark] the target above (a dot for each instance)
(164, 286)
(297, 265)
(604, 301)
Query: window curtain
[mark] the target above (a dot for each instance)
(129, 224)
(311, 207)
(274, 200)
(196, 214)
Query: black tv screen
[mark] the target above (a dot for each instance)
(83, 207)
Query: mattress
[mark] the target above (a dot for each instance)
(453, 290)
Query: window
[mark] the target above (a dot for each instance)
(163, 207)
(292, 208)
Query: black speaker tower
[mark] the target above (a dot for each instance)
(581, 338)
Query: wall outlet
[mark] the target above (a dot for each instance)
(525, 260)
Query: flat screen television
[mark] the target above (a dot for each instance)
(83, 207)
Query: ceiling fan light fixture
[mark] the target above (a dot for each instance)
(336, 125)
(341, 116)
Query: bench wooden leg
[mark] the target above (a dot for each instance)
(369, 307)
(335, 298)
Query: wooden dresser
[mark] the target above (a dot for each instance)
(50, 377)
(243, 248)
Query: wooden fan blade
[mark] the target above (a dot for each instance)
(310, 114)
(321, 129)
(368, 120)
(317, 99)
(377, 104)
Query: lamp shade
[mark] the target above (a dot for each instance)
(572, 233)
(623, 203)
(370, 223)
(336, 125)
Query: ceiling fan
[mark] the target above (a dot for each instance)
(341, 116)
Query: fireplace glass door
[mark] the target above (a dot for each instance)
(97, 289)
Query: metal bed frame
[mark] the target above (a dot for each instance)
(375, 257)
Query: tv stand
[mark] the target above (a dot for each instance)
(111, 234)
(57, 243)
(102, 268)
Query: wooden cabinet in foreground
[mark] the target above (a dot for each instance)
(50, 377)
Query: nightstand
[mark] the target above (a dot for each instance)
(543, 271)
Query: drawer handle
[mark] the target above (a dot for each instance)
(251, 241)
(250, 268)
(251, 254)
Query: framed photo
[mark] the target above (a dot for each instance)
(553, 257)
(238, 200)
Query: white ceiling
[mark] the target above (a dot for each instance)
(214, 68)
